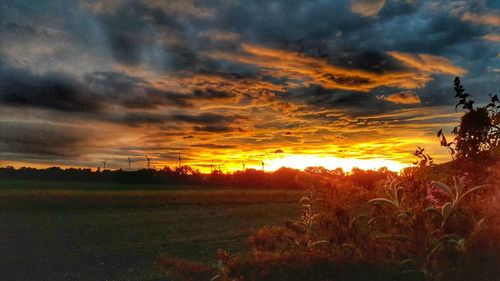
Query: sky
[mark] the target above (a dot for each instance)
(231, 83)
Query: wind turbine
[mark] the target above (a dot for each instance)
(130, 161)
(262, 162)
(149, 160)
(179, 160)
(243, 163)
(104, 164)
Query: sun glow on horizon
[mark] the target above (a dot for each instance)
(330, 162)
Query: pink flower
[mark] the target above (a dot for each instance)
(436, 196)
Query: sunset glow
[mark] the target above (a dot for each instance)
(254, 140)
(223, 87)
(303, 161)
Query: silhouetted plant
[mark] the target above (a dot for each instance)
(477, 137)
(424, 160)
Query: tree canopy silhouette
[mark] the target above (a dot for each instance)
(477, 137)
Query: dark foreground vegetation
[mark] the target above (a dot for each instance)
(428, 223)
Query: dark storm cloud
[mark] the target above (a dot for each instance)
(61, 92)
(139, 118)
(213, 129)
(211, 94)
(353, 103)
(371, 60)
(215, 146)
(207, 122)
(297, 25)
(132, 92)
(436, 35)
(42, 139)
(52, 91)
(131, 32)
(58, 91)
(205, 118)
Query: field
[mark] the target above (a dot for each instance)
(81, 231)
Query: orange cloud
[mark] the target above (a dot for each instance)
(493, 37)
(219, 36)
(428, 63)
(407, 97)
(270, 123)
(301, 70)
(489, 18)
(367, 8)
(242, 92)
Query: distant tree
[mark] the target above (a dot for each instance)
(368, 178)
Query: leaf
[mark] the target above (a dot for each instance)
(445, 238)
(316, 243)
(383, 200)
(456, 188)
(472, 190)
(461, 245)
(399, 193)
(446, 210)
(382, 236)
(348, 245)
(434, 210)
(440, 132)
(215, 277)
(399, 237)
(460, 186)
(400, 215)
(300, 223)
(407, 262)
(443, 187)
(480, 222)
(305, 198)
(360, 217)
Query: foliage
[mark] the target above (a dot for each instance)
(477, 137)
(395, 241)
(424, 160)
(409, 228)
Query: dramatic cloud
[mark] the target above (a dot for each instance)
(428, 63)
(52, 91)
(42, 140)
(407, 97)
(489, 18)
(493, 37)
(367, 8)
(236, 80)
(300, 70)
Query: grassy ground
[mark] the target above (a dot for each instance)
(78, 233)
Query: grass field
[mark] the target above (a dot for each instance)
(74, 231)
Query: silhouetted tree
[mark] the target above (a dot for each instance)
(477, 137)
